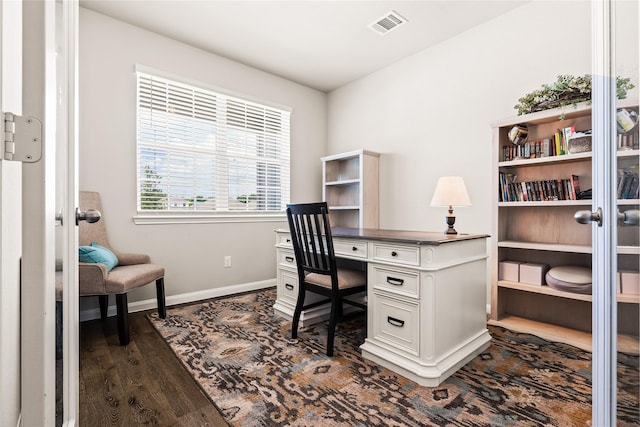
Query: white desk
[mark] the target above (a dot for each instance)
(426, 297)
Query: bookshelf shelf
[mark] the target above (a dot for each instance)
(343, 208)
(343, 182)
(544, 231)
(547, 203)
(567, 158)
(577, 338)
(546, 290)
(554, 247)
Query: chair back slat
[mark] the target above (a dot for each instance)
(311, 237)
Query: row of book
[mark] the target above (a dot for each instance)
(559, 144)
(555, 146)
(511, 190)
(628, 141)
(627, 185)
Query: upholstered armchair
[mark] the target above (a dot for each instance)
(103, 279)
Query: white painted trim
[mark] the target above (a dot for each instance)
(200, 218)
(150, 304)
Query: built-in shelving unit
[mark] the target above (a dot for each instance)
(350, 188)
(545, 232)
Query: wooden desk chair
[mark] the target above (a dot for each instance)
(131, 271)
(317, 270)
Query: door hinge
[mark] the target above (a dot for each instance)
(21, 138)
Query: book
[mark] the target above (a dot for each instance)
(575, 186)
(632, 188)
(544, 147)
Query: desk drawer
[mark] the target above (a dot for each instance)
(284, 239)
(350, 248)
(396, 281)
(287, 285)
(286, 258)
(397, 254)
(396, 322)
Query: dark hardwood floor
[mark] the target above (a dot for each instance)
(138, 384)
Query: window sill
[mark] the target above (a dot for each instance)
(208, 218)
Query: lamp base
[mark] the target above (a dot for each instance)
(450, 221)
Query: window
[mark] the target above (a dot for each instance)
(199, 150)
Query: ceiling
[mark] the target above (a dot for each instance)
(322, 44)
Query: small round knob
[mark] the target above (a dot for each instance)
(90, 215)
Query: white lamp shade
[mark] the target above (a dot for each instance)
(450, 191)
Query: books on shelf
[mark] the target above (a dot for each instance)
(557, 145)
(628, 141)
(627, 185)
(538, 191)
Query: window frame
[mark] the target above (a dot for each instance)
(176, 216)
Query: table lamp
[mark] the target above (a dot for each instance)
(450, 191)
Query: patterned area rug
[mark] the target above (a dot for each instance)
(241, 355)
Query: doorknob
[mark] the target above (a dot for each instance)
(630, 217)
(585, 217)
(90, 215)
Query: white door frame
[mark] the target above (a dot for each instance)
(604, 243)
(67, 173)
(38, 207)
(10, 217)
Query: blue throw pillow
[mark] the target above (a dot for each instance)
(98, 254)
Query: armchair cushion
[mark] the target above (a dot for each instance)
(98, 254)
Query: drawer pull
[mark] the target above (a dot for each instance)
(288, 240)
(394, 281)
(354, 248)
(289, 258)
(394, 253)
(288, 286)
(395, 322)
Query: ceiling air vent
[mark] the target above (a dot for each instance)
(388, 22)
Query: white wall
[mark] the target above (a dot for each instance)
(191, 253)
(429, 114)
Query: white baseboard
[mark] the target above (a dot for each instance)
(150, 304)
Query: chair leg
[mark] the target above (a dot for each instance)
(123, 318)
(162, 309)
(104, 305)
(336, 309)
(297, 312)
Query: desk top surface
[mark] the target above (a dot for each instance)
(403, 236)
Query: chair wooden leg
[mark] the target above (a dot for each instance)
(162, 309)
(123, 318)
(297, 312)
(104, 305)
(336, 308)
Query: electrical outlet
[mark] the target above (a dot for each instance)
(227, 261)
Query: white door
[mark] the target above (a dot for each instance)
(615, 245)
(48, 188)
(10, 218)
(66, 201)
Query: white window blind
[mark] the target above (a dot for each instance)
(198, 150)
